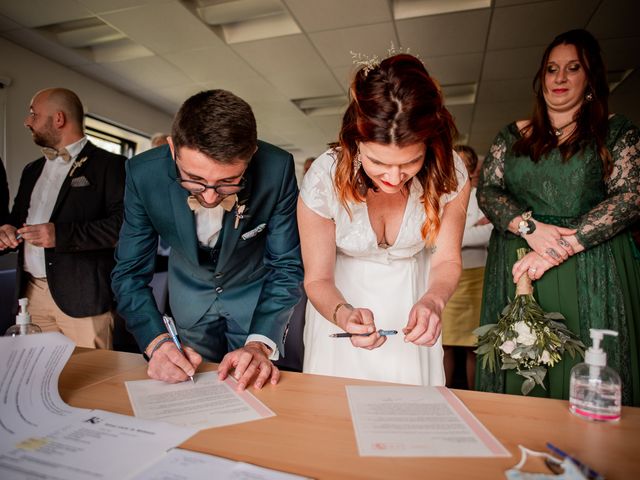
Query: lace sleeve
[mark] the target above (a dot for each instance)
(493, 197)
(621, 208)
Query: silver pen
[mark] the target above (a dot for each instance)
(173, 333)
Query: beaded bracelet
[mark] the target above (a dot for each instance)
(156, 346)
(335, 310)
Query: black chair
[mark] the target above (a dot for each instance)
(294, 344)
(7, 299)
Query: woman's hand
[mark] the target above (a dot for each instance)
(547, 242)
(424, 324)
(532, 265)
(360, 320)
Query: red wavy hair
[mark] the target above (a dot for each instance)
(398, 103)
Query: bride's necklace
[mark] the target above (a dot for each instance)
(558, 131)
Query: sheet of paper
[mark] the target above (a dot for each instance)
(97, 445)
(29, 398)
(417, 422)
(205, 404)
(185, 465)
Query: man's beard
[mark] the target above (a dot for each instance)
(46, 137)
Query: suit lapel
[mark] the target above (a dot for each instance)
(81, 160)
(231, 234)
(184, 219)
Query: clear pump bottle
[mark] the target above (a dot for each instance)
(23, 324)
(595, 389)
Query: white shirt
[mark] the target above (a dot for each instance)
(476, 237)
(43, 199)
(208, 226)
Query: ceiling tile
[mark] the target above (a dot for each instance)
(512, 63)
(621, 53)
(336, 46)
(8, 24)
(492, 91)
(37, 13)
(615, 18)
(537, 23)
(292, 65)
(164, 27)
(330, 127)
(149, 72)
(104, 6)
(487, 117)
(38, 43)
(204, 65)
(314, 16)
(448, 34)
(462, 117)
(455, 69)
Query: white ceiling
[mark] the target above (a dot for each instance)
(278, 53)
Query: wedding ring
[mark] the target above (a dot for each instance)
(552, 253)
(533, 269)
(562, 242)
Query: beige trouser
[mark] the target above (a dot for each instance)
(91, 332)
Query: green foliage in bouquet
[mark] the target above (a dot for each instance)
(526, 338)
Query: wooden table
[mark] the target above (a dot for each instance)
(312, 433)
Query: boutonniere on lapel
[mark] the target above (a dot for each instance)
(76, 164)
(240, 209)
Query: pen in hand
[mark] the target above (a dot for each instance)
(590, 473)
(173, 333)
(382, 333)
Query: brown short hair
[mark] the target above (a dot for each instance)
(397, 102)
(218, 124)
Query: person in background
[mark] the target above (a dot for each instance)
(4, 195)
(566, 184)
(225, 203)
(381, 218)
(307, 164)
(462, 313)
(65, 222)
(158, 139)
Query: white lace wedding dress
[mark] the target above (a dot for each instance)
(388, 281)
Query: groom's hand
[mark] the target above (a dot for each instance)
(248, 362)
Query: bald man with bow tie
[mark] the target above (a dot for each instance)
(65, 222)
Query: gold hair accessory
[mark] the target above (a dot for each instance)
(368, 63)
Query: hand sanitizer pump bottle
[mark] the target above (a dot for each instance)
(23, 324)
(595, 389)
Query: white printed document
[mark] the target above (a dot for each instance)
(417, 422)
(185, 465)
(29, 398)
(207, 403)
(98, 445)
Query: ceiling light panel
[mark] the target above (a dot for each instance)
(421, 8)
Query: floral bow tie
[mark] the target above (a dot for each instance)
(227, 203)
(52, 153)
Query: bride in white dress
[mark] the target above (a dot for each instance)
(381, 217)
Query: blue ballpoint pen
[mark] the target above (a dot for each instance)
(585, 469)
(173, 333)
(382, 333)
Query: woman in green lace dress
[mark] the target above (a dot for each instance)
(566, 184)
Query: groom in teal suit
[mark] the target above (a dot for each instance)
(226, 204)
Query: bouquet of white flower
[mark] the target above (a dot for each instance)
(526, 338)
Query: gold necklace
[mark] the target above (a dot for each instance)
(558, 131)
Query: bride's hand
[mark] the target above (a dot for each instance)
(424, 324)
(360, 320)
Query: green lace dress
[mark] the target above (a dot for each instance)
(597, 288)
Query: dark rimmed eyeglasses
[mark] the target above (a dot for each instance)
(223, 189)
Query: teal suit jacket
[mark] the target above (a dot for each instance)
(257, 279)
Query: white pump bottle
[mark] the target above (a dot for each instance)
(595, 389)
(23, 324)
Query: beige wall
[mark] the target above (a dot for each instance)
(29, 73)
